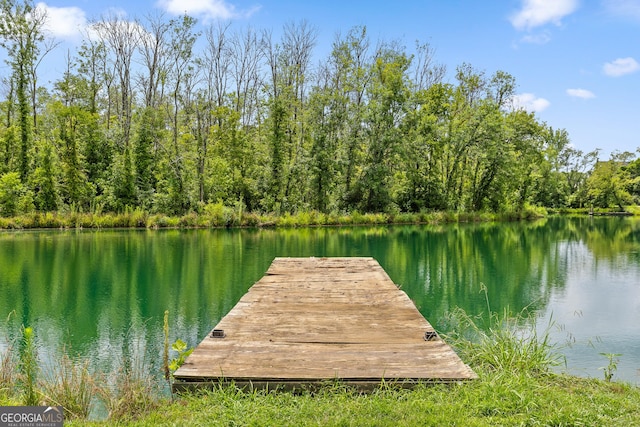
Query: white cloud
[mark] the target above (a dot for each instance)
(529, 102)
(620, 67)
(540, 38)
(536, 13)
(581, 93)
(624, 8)
(115, 12)
(110, 24)
(64, 22)
(208, 9)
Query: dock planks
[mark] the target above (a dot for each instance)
(312, 320)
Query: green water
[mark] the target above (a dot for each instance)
(102, 294)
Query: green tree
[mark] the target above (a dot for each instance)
(525, 135)
(72, 128)
(608, 183)
(288, 137)
(388, 95)
(98, 153)
(420, 184)
(277, 122)
(353, 59)
(577, 167)
(121, 38)
(179, 150)
(417, 183)
(21, 32)
(44, 181)
(81, 87)
(145, 141)
(8, 140)
(90, 61)
(122, 187)
(327, 111)
(492, 153)
(15, 197)
(633, 171)
(231, 153)
(245, 67)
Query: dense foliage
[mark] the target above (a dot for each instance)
(154, 114)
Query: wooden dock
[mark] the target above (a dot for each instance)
(313, 320)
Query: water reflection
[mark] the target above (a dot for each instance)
(103, 293)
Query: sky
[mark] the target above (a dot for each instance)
(576, 62)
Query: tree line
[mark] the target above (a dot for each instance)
(158, 115)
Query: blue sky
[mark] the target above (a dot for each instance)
(576, 62)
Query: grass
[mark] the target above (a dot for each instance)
(69, 384)
(133, 394)
(510, 344)
(127, 393)
(132, 390)
(631, 209)
(218, 216)
(8, 374)
(496, 399)
(635, 210)
(28, 367)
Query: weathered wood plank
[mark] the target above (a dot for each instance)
(317, 319)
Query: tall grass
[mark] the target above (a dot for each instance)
(69, 384)
(29, 368)
(127, 393)
(8, 372)
(131, 391)
(131, 396)
(219, 215)
(511, 343)
(165, 348)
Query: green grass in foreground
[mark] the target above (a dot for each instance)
(497, 398)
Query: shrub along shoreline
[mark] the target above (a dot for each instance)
(218, 216)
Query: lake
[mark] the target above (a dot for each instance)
(101, 294)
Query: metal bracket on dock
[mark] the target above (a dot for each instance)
(218, 333)
(430, 336)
